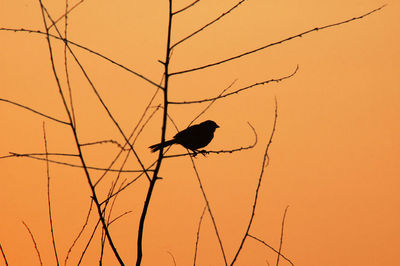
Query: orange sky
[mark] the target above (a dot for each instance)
(334, 157)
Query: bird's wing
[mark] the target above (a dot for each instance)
(188, 132)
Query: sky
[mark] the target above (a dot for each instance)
(333, 159)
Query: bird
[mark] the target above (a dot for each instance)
(192, 138)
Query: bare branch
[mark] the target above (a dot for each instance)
(4, 255)
(172, 256)
(264, 164)
(281, 239)
(277, 80)
(276, 43)
(34, 242)
(198, 235)
(34, 111)
(105, 141)
(269, 246)
(88, 243)
(13, 154)
(212, 102)
(208, 24)
(209, 210)
(66, 13)
(84, 48)
(48, 196)
(80, 233)
(183, 9)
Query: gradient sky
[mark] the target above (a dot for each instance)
(334, 158)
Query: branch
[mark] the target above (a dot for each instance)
(66, 13)
(4, 255)
(94, 195)
(34, 242)
(281, 239)
(210, 104)
(277, 80)
(264, 164)
(34, 111)
(84, 48)
(276, 43)
(198, 235)
(208, 24)
(80, 233)
(163, 130)
(269, 246)
(13, 154)
(209, 210)
(48, 196)
(183, 9)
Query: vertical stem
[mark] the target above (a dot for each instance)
(160, 155)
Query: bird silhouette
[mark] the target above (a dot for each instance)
(192, 138)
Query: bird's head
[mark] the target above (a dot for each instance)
(210, 124)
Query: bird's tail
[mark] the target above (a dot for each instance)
(158, 146)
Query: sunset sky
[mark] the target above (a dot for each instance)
(334, 157)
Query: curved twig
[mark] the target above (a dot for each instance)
(34, 242)
(277, 80)
(198, 235)
(264, 164)
(281, 239)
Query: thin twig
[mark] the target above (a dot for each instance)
(276, 43)
(48, 196)
(186, 7)
(269, 246)
(13, 154)
(172, 256)
(84, 48)
(88, 243)
(94, 195)
(281, 239)
(277, 80)
(198, 235)
(34, 111)
(212, 102)
(4, 255)
(80, 233)
(209, 210)
(208, 24)
(103, 142)
(34, 243)
(264, 164)
(71, 103)
(66, 13)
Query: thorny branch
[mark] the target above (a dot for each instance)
(275, 43)
(264, 164)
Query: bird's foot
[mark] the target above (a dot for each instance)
(203, 152)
